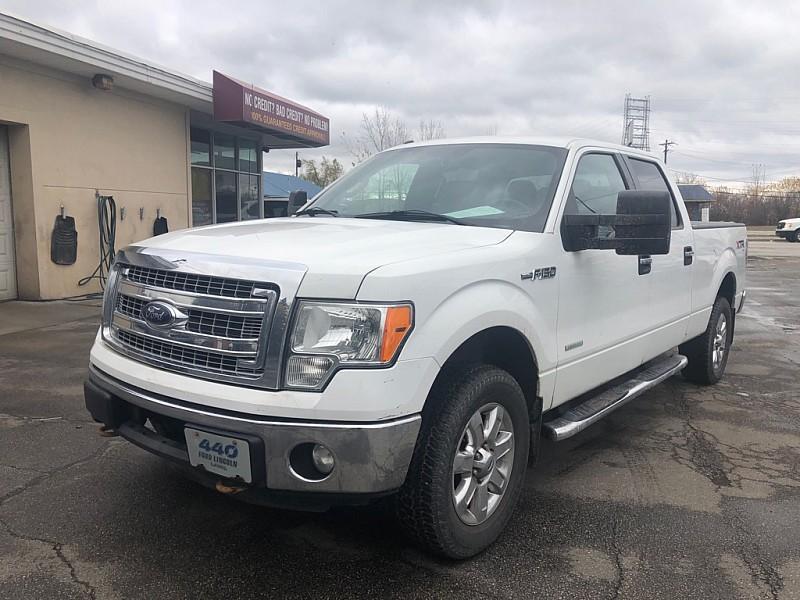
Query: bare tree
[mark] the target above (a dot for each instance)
(381, 129)
(756, 188)
(429, 130)
(760, 203)
(689, 178)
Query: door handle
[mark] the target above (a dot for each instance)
(645, 264)
(688, 255)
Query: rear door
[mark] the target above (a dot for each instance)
(670, 278)
(603, 310)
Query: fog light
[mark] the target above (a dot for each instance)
(307, 371)
(323, 459)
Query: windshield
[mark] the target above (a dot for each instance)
(490, 185)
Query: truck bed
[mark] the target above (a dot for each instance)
(715, 224)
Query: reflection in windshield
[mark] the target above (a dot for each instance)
(490, 185)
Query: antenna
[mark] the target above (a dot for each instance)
(636, 122)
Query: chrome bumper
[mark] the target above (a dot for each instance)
(371, 458)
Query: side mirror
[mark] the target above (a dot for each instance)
(297, 200)
(642, 225)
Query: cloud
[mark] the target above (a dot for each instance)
(722, 77)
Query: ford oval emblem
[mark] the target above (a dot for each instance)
(159, 314)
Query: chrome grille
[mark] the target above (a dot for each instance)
(201, 321)
(198, 359)
(191, 282)
(228, 316)
(218, 326)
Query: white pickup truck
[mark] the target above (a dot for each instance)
(415, 329)
(788, 229)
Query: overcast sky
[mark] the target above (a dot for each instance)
(723, 76)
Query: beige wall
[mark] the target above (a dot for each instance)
(67, 140)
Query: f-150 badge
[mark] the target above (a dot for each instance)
(543, 273)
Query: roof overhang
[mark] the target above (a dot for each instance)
(72, 54)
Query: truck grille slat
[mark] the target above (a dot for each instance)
(201, 321)
(190, 282)
(199, 359)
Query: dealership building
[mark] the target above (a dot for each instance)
(80, 122)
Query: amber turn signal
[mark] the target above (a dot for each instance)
(395, 329)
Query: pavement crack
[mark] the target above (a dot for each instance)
(58, 549)
(762, 572)
(707, 460)
(23, 469)
(618, 561)
(45, 475)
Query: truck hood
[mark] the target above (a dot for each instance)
(337, 252)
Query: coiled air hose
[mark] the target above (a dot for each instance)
(107, 224)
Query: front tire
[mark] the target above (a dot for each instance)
(469, 464)
(708, 353)
(794, 236)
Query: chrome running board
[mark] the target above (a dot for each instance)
(593, 409)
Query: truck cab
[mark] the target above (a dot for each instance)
(417, 328)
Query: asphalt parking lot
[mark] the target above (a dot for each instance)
(686, 493)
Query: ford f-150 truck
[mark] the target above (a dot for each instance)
(789, 229)
(416, 328)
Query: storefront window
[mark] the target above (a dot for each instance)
(226, 196)
(248, 159)
(224, 151)
(248, 196)
(226, 182)
(201, 147)
(202, 204)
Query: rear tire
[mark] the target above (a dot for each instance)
(708, 353)
(462, 485)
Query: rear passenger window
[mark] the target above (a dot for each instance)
(652, 179)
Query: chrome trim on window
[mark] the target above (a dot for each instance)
(257, 360)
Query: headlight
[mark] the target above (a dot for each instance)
(328, 335)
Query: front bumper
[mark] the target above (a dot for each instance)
(371, 458)
(783, 233)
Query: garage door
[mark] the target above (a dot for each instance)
(8, 277)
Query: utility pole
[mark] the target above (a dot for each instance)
(666, 143)
(297, 163)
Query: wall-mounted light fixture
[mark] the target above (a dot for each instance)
(103, 82)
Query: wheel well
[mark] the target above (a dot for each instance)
(728, 288)
(506, 348)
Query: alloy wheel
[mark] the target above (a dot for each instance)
(482, 464)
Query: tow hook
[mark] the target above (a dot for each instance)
(224, 488)
(107, 431)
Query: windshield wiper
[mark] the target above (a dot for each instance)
(411, 214)
(313, 211)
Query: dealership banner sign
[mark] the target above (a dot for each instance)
(239, 102)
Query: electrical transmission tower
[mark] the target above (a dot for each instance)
(636, 122)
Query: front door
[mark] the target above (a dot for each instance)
(8, 276)
(670, 295)
(603, 309)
